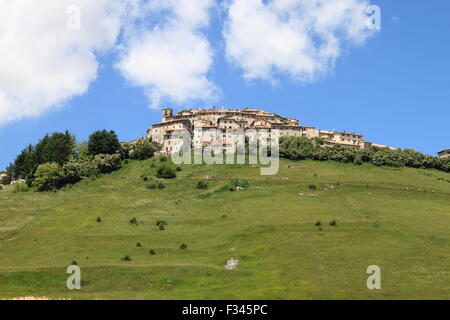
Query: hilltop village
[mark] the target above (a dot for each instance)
(216, 125)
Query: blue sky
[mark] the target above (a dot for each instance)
(394, 88)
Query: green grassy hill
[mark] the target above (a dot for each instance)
(398, 219)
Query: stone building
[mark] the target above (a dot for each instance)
(214, 124)
(444, 153)
(2, 174)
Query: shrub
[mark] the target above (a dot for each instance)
(6, 180)
(99, 220)
(126, 258)
(318, 224)
(134, 221)
(139, 245)
(312, 187)
(202, 185)
(74, 263)
(21, 187)
(165, 171)
(161, 224)
(296, 148)
(107, 163)
(142, 151)
(72, 171)
(333, 223)
(183, 246)
(163, 159)
(179, 169)
(152, 252)
(152, 186)
(237, 184)
(49, 176)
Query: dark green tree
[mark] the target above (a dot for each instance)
(103, 142)
(58, 147)
(25, 163)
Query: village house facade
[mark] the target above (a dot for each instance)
(444, 153)
(214, 124)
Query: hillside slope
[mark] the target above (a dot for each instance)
(398, 219)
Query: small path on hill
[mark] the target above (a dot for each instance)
(343, 184)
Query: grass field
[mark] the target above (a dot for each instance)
(398, 219)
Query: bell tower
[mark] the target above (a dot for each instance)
(167, 113)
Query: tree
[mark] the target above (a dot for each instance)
(81, 149)
(25, 163)
(103, 142)
(58, 147)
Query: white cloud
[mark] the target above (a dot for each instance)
(301, 38)
(42, 62)
(167, 54)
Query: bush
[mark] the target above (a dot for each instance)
(138, 245)
(179, 169)
(183, 246)
(21, 187)
(99, 220)
(142, 151)
(165, 171)
(6, 180)
(103, 142)
(161, 223)
(154, 186)
(126, 258)
(333, 223)
(295, 148)
(72, 171)
(202, 185)
(152, 252)
(134, 221)
(49, 176)
(318, 224)
(312, 187)
(106, 163)
(237, 184)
